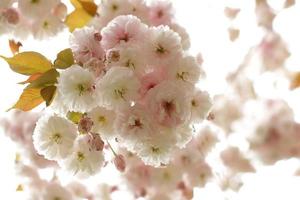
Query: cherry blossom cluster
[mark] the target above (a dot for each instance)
(152, 13)
(273, 133)
(133, 85)
(19, 127)
(40, 18)
(187, 170)
(33, 186)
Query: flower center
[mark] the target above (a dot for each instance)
(182, 75)
(81, 89)
(57, 138)
(194, 103)
(124, 38)
(45, 24)
(119, 93)
(80, 156)
(136, 123)
(34, 1)
(169, 107)
(130, 64)
(155, 150)
(101, 119)
(160, 14)
(114, 7)
(160, 50)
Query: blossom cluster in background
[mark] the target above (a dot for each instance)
(41, 19)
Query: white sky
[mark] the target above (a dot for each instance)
(207, 27)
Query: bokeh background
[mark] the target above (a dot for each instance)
(208, 27)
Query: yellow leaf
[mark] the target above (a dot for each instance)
(48, 94)
(88, 5)
(64, 59)
(77, 19)
(29, 99)
(31, 78)
(74, 117)
(47, 79)
(28, 63)
(295, 83)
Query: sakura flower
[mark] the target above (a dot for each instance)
(96, 66)
(109, 9)
(236, 161)
(199, 174)
(167, 177)
(103, 122)
(53, 137)
(36, 8)
(140, 9)
(204, 141)
(186, 71)
(78, 87)
(85, 45)
(184, 135)
(84, 160)
(11, 15)
(160, 12)
(58, 106)
(157, 150)
(150, 80)
(168, 104)
(56, 191)
(134, 125)
(200, 105)
(138, 177)
(163, 45)
(117, 88)
(273, 51)
(131, 58)
(47, 26)
(123, 30)
(185, 39)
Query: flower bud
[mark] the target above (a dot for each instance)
(11, 15)
(119, 162)
(85, 125)
(95, 141)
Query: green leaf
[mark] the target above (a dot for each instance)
(74, 117)
(48, 94)
(49, 78)
(29, 99)
(64, 59)
(28, 63)
(77, 19)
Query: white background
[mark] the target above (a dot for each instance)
(207, 26)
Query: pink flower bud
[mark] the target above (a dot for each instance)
(119, 162)
(95, 141)
(97, 36)
(85, 125)
(11, 15)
